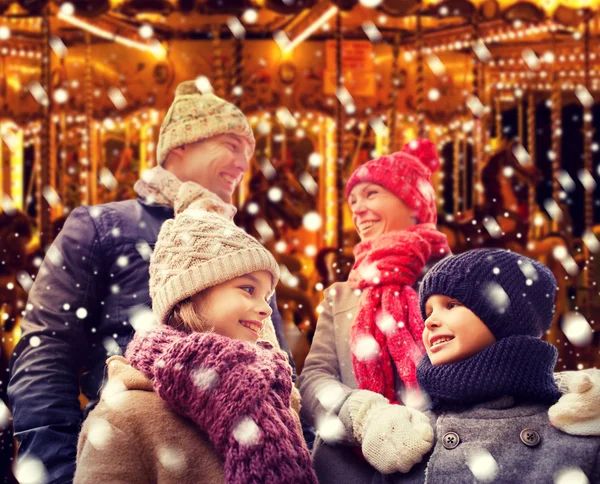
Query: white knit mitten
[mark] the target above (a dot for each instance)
(578, 410)
(394, 438)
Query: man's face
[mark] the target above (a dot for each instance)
(217, 163)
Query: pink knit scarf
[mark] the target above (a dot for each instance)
(388, 325)
(237, 393)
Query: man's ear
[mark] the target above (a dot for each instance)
(178, 152)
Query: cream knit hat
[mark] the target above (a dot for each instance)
(194, 116)
(200, 248)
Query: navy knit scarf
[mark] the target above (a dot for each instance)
(518, 366)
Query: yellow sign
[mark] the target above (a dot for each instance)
(357, 67)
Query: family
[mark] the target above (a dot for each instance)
(425, 366)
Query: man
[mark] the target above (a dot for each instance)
(92, 289)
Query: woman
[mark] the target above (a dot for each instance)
(368, 338)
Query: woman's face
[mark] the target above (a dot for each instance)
(376, 211)
(237, 308)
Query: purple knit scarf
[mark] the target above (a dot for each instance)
(237, 393)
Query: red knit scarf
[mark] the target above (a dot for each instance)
(388, 326)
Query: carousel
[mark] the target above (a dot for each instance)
(506, 89)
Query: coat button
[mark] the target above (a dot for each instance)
(530, 437)
(450, 440)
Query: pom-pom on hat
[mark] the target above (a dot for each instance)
(512, 294)
(195, 116)
(407, 174)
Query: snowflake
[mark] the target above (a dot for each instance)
(111, 346)
(35, 341)
(331, 429)
(204, 378)
(246, 432)
(386, 323)
(577, 329)
(81, 313)
(114, 394)
(330, 394)
(30, 470)
(483, 465)
(99, 433)
(171, 459)
(497, 297)
(366, 348)
(312, 221)
(25, 280)
(142, 319)
(570, 475)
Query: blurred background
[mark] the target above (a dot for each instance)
(508, 90)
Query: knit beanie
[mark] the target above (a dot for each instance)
(200, 248)
(512, 294)
(407, 174)
(194, 116)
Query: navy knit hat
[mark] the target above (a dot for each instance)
(512, 294)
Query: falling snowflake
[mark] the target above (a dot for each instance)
(553, 210)
(66, 306)
(108, 179)
(590, 240)
(522, 155)
(264, 229)
(95, 212)
(5, 416)
(25, 280)
(142, 319)
(171, 459)
(386, 323)
(123, 261)
(267, 169)
(286, 118)
(528, 271)
(309, 183)
(51, 196)
(312, 221)
(111, 346)
(114, 394)
(81, 313)
(380, 129)
(330, 395)
(371, 31)
(426, 190)
(30, 470)
(204, 378)
(99, 432)
(287, 278)
(565, 180)
(331, 429)
(54, 256)
(118, 99)
(483, 465)
(577, 329)
(366, 348)
(35, 341)
(275, 194)
(203, 85)
(584, 96)
(587, 180)
(236, 27)
(570, 475)
(497, 297)
(246, 432)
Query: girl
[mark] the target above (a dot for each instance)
(197, 399)
(368, 337)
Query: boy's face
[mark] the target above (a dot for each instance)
(377, 211)
(237, 308)
(453, 332)
(217, 163)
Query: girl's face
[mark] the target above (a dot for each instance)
(376, 211)
(237, 308)
(452, 332)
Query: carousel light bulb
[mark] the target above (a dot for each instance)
(250, 16)
(433, 94)
(382, 19)
(67, 8)
(61, 96)
(146, 31)
(4, 32)
(370, 3)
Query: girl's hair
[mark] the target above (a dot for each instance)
(187, 316)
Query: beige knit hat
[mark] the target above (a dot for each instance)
(200, 248)
(194, 116)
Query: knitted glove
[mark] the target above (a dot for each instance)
(578, 410)
(394, 438)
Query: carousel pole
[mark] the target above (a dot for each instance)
(238, 70)
(556, 123)
(420, 95)
(498, 115)
(217, 61)
(393, 107)
(478, 121)
(588, 166)
(89, 113)
(45, 138)
(339, 115)
(531, 149)
(521, 127)
(456, 174)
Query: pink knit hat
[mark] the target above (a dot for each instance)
(407, 174)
